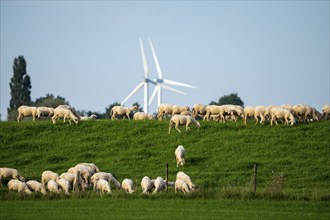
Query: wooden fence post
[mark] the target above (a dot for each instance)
(255, 178)
(166, 177)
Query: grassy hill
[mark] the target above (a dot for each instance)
(293, 162)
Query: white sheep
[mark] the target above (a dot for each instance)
(45, 111)
(147, 184)
(48, 175)
(179, 155)
(26, 111)
(176, 109)
(85, 172)
(281, 114)
(36, 186)
(259, 112)
(190, 113)
(19, 186)
(170, 109)
(160, 185)
(64, 113)
(75, 180)
(6, 172)
(211, 110)
(142, 116)
(249, 111)
(64, 185)
(53, 187)
(86, 118)
(326, 111)
(103, 186)
(182, 176)
(105, 176)
(182, 120)
(91, 165)
(181, 185)
(127, 186)
(198, 109)
(120, 110)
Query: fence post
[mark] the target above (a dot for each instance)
(255, 178)
(166, 177)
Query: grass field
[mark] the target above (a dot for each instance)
(293, 178)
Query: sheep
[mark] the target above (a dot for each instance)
(53, 187)
(300, 111)
(26, 111)
(47, 176)
(85, 172)
(142, 116)
(64, 185)
(164, 109)
(103, 186)
(259, 112)
(211, 110)
(64, 113)
(19, 186)
(182, 176)
(248, 112)
(124, 111)
(45, 111)
(281, 113)
(181, 185)
(74, 180)
(176, 109)
(127, 186)
(160, 185)
(326, 111)
(198, 109)
(6, 172)
(86, 118)
(187, 113)
(146, 184)
(91, 165)
(105, 176)
(36, 186)
(182, 120)
(179, 155)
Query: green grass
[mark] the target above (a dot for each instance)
(293, 163)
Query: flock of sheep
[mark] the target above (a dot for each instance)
(85, 176)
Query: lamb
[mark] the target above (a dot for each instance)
(64, 185)
(147, 184)
(26, 111)
(103, 186)
(64, 113)
(10, 173)
(86, 118)
(19, 186)
(179, 155)
(160, 185)
(124, 111)
(74, 180)
(281, 113)
(181, 185)
(182, 176)
(105, 176)
(326, 111)
(142, 116)
(53, 187)
(47, 176)
(36, 186)
(182, 120)
(45, 111)
(198, 109)
(127, 185)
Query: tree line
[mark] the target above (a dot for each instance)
(20, 91)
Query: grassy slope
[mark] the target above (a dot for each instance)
(219, 157)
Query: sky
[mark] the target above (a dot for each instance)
(268, 52)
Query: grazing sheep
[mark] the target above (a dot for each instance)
(187, 113)
(198, 109)
(64, 113)
(105, 176)
(26, 111)
(74, 180)
(36, 186)
(86, 118)
(53, 187)
(281, 113)
(146, 184)
(170, 109)
(182, 120)
(181, 185)
(326, 111)
(142, 116)
(248, 112)
(91, 165)
(182, 176)
(259, 112)
(64, 185)
(124, 111)
(176, 109)
(103, 186)
(300, 111)
(19, 186)
(160, 185)
(47, 176)
(179, 155)
(211, 110)
(85, 172)
(10, 173)
(127, 185)
(45, 112)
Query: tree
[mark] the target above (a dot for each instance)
(20, 87)
(50, 101)
(232, 98)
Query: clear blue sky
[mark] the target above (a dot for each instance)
(269, 52)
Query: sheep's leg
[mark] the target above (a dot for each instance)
(128, 117)
(177, 128)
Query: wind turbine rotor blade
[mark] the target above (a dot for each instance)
(153, 95)
(156, 60)
(171, 82)
(133, 92)
(171, 89)
(144, 60)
